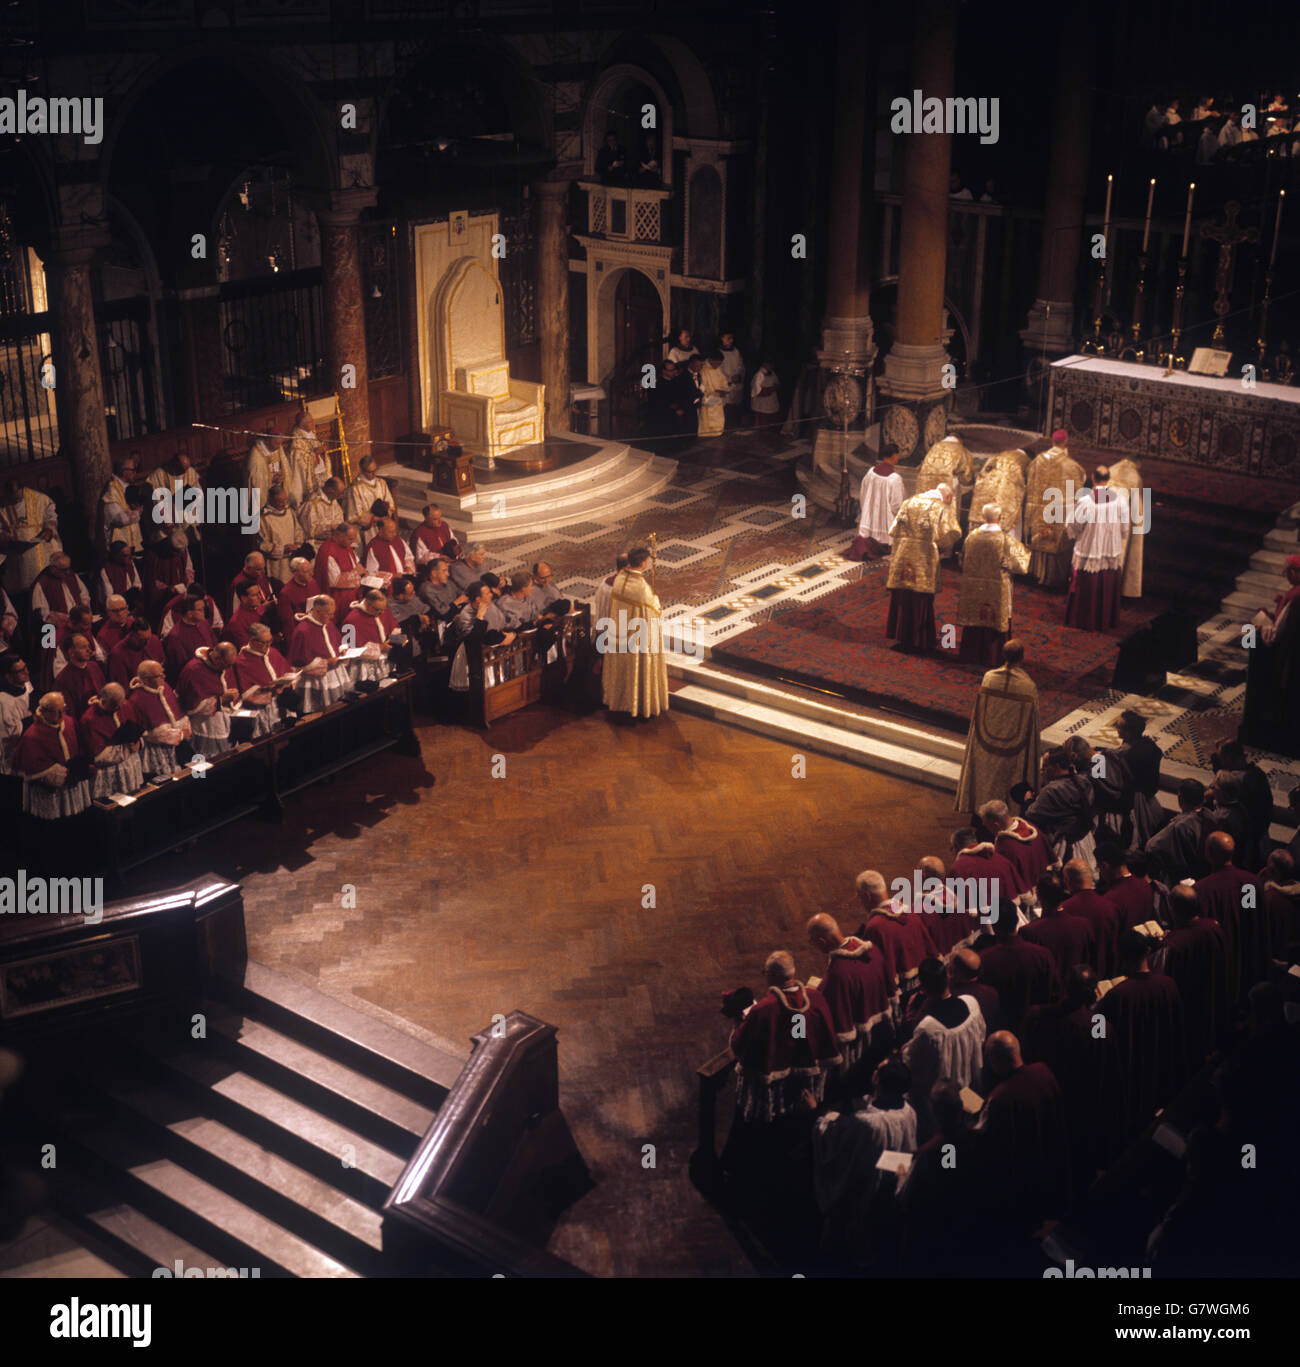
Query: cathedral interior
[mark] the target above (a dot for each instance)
(438, 977)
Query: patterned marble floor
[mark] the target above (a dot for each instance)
(735, 538)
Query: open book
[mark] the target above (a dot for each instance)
(971, 1102)
(1153, 930)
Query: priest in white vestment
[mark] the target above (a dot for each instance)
(879, 498)
(27, 516)
(265, 466)
(948, 1041)
(305, 467)
(1096, 522)
(847, 1146)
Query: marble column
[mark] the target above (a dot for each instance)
(1050, 330)
(847, 345)
(78, 384)
(553, 298)
(345, 323)
(913, 377)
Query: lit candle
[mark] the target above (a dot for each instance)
(1277, 228)
(1105, 225)
(1146, 228)
(1187, 225)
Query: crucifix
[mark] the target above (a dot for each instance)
(1227, 236)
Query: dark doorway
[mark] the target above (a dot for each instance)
(638, 342)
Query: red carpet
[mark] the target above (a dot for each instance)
(839, 643)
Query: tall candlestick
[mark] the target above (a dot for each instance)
(1187, 225)
(1146, 228)
(1277, 228)
(1105, 225)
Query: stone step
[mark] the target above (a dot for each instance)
(123, 1235)
(383, 1047)
(749, 689)
(636, 485)
(806, 734)
(1265, 580)
(198, 1211)
(1282, 539)
(385, 1116)
(1271, 562)
(578, 483)
(304, 1135)
(608, 457)
(294, 1198)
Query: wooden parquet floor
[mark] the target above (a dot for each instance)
(476, 894)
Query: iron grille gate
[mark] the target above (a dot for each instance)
(126, 367)
(272, 334)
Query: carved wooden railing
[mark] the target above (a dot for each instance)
(505, 1093)
(505, 678)
(74, 973)
(706, 1162)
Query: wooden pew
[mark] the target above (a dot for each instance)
(254, 778)
(505, 678)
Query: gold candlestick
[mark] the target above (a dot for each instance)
(1133, 352)
(1094, 346)
(1171, 358)
(1260, 359)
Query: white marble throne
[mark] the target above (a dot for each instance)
(490, 413)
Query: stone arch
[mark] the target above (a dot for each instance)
(609, 84)
(698, 97)
(519, 88)
(302, 115)
(601, 317)
(33, 165)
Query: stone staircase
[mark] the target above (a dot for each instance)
(602, 487)
(1265, 578)
(859, 736)
(907, 750)
(271, 1144)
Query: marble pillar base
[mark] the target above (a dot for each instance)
(915, 403)
(1049, 328)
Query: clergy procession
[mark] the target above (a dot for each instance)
(650, 642)
(1081, 532)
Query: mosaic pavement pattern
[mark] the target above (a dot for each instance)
(732, 548)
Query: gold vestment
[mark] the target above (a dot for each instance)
(634, 673)
(1002, 745)
(989, 559)
(925, 528)
(946, 462)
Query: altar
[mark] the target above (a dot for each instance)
(1138, 410)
